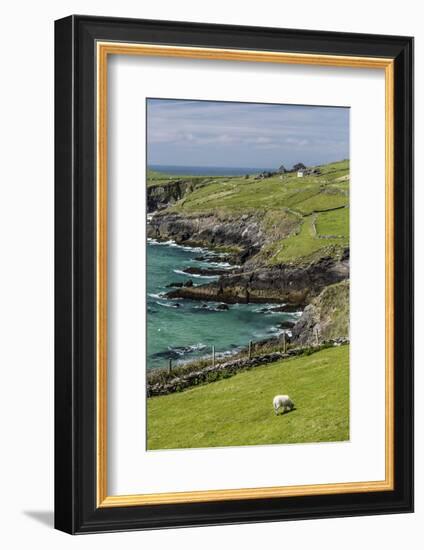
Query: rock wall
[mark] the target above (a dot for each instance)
(212, 373)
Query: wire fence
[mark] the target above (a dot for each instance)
(248, 351)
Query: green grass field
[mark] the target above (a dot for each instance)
(238, 410)
(160, 178)
(304, 218)
(303, 244)
(333, 223)
(304, 195)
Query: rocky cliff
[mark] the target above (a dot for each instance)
(294, 286)
(325, 318)
(162, 194)
(249, 235)
(244, 235)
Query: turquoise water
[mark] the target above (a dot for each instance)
(185, 329)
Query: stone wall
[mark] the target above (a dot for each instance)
(229, 368)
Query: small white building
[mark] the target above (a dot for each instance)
(301, 173)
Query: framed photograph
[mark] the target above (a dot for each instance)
(233, 264)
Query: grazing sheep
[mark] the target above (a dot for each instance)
(284, 402)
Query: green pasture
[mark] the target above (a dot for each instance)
(238, 410)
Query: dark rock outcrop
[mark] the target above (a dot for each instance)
(286, 284)
(244, 232)
(161, 196)
(286, 324)
(293, 285)
(209, 271)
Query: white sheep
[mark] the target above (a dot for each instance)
(284, 402)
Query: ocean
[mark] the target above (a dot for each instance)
(180, 329)
(207, 170)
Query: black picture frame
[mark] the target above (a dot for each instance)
(76, 510)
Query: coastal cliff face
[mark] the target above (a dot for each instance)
(189, 212)
(241, 235)
(294, 285)
(164, 193)
(289, 285)
(325, 318)
(160, 196)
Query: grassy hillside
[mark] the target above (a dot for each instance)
(160, 178)
(335, 223)
(306, 242)
(238, 410)
(305, 195)
(315, 208)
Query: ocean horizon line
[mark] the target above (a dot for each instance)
(206, 170)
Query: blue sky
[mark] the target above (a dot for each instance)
(209, 133)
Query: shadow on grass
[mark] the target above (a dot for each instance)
(286, 412)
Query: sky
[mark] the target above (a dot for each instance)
(227, 134)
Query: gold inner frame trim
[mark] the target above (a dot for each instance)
(104, 49)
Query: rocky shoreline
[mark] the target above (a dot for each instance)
(297, 286)
(290, 285)
(242, 235)
(294, 285)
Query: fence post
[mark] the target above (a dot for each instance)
(316, 335)
(250, 349)
(213, 356)
(170, 366)
(284, 343)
